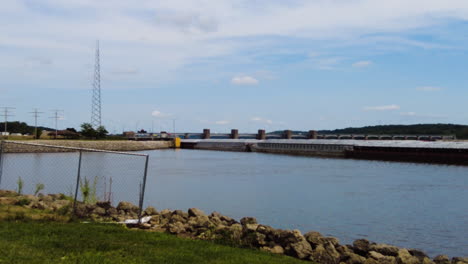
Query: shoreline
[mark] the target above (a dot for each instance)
(110, 145)
(195, 224)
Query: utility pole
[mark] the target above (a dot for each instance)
(35, 113)
(56, 116)
(6, 112)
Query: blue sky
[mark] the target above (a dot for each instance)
(242, 64)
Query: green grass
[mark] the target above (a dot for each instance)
(56, 242)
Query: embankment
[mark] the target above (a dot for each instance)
(112, 145)
(194, 223)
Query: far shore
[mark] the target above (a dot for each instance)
(112, 145)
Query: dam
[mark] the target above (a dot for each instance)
(444, 152)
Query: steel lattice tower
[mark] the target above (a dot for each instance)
(96, 104)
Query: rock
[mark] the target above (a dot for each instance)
(106, 205)
(166, 213)
(99, 211)
(274, 250)
(215, 214)
(8, 193)
(181, 214)
(150, 211)
(47, 198)
(375, 255)
(384, 249)
(388, 260)
(177, 218)
(295, 244)
(301, 249)
(254, 239)
(335, 241)
(417, 253)
(361, 246)
(248, 220)
(325, 253)
(127, 207)
(112, 212)
(251, 227)
(352, 258)
(145, 226)
(427, 260)
(228, 220)
(404, 257)
(215, 220)
(286, 237)
(442, 259)
(314, 238)
(176, 228)
(194, 212)
(80, 210)
(371, 261)
(459, 260)
(8, 200)
(199, 221)
(60, 204)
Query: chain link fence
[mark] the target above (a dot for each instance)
(86, 175)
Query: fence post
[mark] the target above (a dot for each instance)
(142, 196)
(1, 161)
(77, 182)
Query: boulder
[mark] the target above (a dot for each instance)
(361, 246)
(459, 260)
(375, 255)
(417, 253)
(99, 211)
(150, 210)
(8, 193)
(181, 214)
(127, 207)
(248, 220)
(404, 257)
(166, 213)
(325, 253)
(352, 258)
(314, 238)
(176, 228)
(276, 249)
(442, 259)
(194, 212)
(8, 200)
(384, 249)
(106, 205)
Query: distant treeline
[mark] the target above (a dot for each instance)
(461, 131)
(21, 127)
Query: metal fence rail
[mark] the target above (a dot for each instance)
(86, 175)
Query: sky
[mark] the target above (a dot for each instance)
(244, 64)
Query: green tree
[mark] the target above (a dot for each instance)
(88, 131)
(101, 132)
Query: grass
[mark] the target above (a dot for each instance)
(26, 241)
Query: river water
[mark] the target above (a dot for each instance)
(409, 205)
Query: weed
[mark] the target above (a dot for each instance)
(20, 184)
(39, 187)
(88, 190)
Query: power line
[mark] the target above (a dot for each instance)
(35, 113)
(96, 100)
(6, 112)
(56, 116)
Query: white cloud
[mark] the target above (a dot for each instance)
(408, 114)
(159, 114)
(222, 122)
(382, 108)
(429, 89)
(261, 120)
(362, 64)
(244, 80)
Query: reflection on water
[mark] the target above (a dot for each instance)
(409, 205)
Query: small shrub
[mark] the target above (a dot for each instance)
(20, 184)
(23, 202)
(88, 190)
(39, 187)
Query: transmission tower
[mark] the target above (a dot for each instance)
(6, 112)
(56, 116)
(35, 113)
(96, 103)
